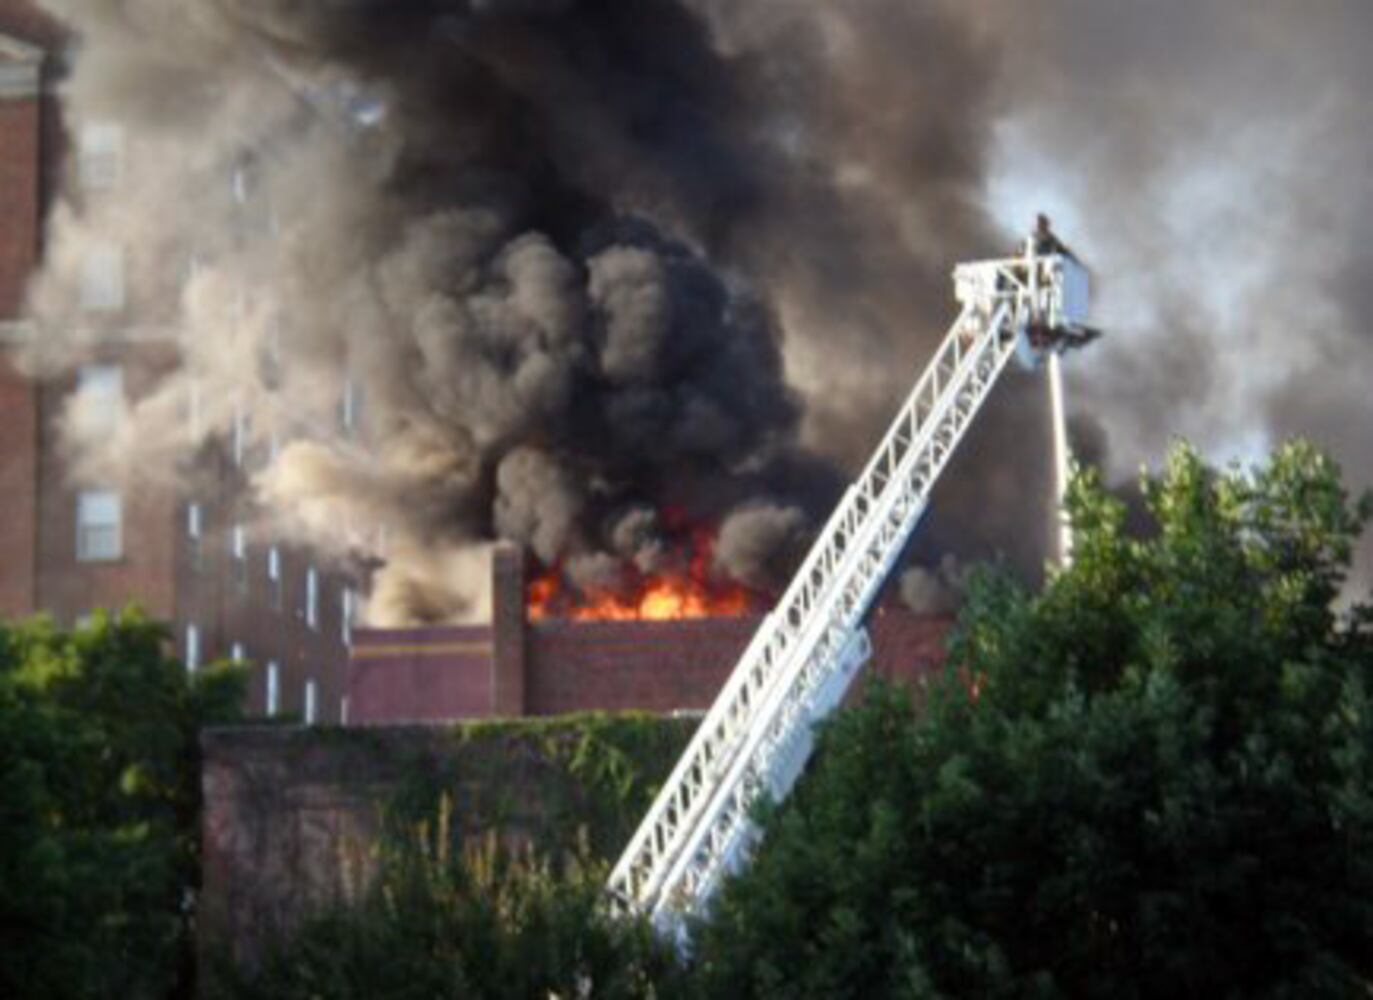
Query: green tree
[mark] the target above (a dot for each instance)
(1153, 778)
(99, 808)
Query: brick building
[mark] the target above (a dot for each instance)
(515, 666)
(180, 544)
(187, 543)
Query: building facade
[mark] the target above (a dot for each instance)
(182, 544)
(517, 667)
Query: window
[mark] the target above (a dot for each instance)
(346, 616)
(102, 278)
(238, 549)
(343, 711)
(100, 155)
(101, 392)
(312, 598)
(273, 688)
(240, 434)
(310, 706)
(193, 534)
(98, 534)
(274, 587)
(192, 648)
(350, 407)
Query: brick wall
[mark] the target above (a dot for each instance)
(22, 19)
(20, 166)
(235, 601)
(666, 666)
(656, 666)
(293, 817)
(69, 588)
(563, 666)
(423, 674)
(18, 488)
(509, 652)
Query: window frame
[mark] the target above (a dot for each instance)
(102, 278)
(271, 701)
(85, 499)
(100, 155)
(312, 598)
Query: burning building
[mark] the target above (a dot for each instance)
(672, 655)
(632, 284)
(180, 534)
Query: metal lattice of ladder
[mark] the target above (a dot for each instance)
(757, 736)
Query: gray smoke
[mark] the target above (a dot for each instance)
(603, 272)
(759, 544)
(935, 591)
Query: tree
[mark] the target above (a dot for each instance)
(99, 807)
(1153, 778)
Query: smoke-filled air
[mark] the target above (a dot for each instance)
(638, 283)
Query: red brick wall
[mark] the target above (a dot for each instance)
(20, 165)
(23, 20)
(510, 654)
(18, 488)
(906, 646)
(24, 137)
(664, 666)
(436, 673)
(657, 666)
(420, 675)
(146, 571)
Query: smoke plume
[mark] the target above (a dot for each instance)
(592, 270)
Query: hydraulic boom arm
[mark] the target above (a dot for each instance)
(757, 736)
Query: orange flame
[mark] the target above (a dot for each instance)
(665, 596)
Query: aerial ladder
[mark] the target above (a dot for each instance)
(754, 741)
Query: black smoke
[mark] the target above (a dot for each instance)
(603, 268)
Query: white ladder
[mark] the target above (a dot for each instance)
(757, 736)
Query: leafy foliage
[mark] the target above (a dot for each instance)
(99, 801)
(489, 921)
(592, 775)
(1154, 778)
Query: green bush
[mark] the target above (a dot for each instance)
(99, 808)
(1153, 779)
(486, 922)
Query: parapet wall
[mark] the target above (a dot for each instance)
(552, 666)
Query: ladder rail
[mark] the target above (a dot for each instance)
(680, 801)
(707, 855)
(757, 734)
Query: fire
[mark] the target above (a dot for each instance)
(688, 593)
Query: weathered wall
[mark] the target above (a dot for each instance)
(294, 817)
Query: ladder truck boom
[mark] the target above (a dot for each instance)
(757, 736)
